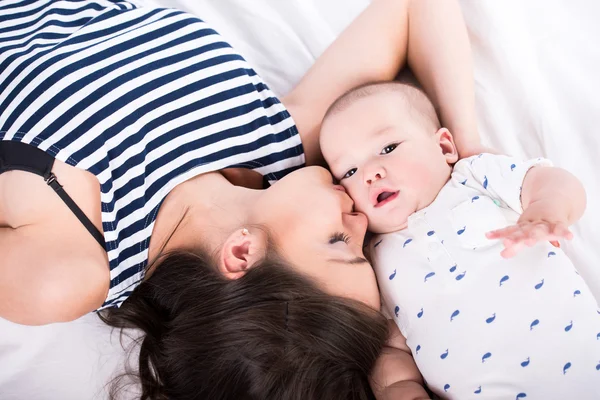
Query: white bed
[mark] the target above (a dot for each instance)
(538, 93)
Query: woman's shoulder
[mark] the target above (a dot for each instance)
(52, 269)
(49, 274)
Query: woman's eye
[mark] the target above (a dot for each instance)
(388, 149)
(349, 173)
(339, 237)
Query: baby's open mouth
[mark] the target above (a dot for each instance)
(385, 197)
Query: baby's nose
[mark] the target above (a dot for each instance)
(374, 177)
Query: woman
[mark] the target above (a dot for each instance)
(142, 121)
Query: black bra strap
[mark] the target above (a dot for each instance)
(25, 157)
(53, 183)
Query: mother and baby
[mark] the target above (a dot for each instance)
(148, 173)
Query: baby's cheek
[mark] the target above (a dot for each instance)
(420, 177)
(358, 196)
(376, 223)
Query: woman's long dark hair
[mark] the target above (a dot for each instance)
(271, 334)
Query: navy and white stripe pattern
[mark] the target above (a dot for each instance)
(144, 99)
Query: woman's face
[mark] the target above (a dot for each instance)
(316, 229)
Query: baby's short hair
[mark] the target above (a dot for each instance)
(414, 98)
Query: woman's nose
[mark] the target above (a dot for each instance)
(357, 222)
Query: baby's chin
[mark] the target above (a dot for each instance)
(390, 224)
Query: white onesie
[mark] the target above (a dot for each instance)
(480, 326)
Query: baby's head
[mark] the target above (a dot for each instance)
(384, 143)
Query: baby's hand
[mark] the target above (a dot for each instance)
(529, 232)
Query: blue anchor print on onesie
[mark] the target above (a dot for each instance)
(504, 279)
(417, 349)
(461, 231)
(512, 167)
(460, 276)
(453, 268)
(485, 357)
(550, 254)
(420, 314)
(576, 293)
(521, 396)
(566, 368)
(406, 242)
(478, 391)
(525, 363)
(485, 182)
(446, 387)
(491, 319)
(396, 310)
(444, 355)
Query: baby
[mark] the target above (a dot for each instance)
(466, 256)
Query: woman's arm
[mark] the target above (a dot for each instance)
(428, 34)
(396, 376)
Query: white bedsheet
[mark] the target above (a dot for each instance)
(538, 93)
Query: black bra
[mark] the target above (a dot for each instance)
(24, 157)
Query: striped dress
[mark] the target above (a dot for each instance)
(142, 98)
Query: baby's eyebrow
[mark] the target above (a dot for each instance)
(383, 130)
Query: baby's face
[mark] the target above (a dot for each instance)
(386, 158)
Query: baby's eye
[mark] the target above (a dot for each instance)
(388, 149)
(349, 173)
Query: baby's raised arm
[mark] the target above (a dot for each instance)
(552, 199)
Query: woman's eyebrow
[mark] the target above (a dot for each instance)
(352, 261)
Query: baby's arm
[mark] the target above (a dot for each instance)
(552, 200)
(396, 376)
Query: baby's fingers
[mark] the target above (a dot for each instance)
(561, 230)
(535, 234)
(511, 248)
(504, 232)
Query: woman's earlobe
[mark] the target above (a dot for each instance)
(240, 252)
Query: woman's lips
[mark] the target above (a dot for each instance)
(386, 198)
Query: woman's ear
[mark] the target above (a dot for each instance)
(446, 142)
(242, 250)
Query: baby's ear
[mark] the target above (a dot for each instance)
(446, 142)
